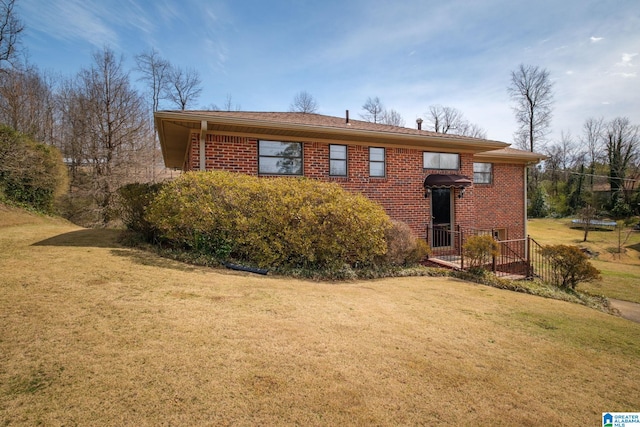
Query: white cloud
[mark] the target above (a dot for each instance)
(71, 20)
(626, 60)
(596, 39)
(98, 23)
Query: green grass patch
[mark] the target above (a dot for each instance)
(620, 269)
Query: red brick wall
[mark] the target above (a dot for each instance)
(501, 204)
(401, 192)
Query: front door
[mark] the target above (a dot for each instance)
(441, 216)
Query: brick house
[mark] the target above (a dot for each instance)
(436, 183)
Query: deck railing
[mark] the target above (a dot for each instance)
(516, 257)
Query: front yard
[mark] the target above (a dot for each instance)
(93, 333)
(620, 268)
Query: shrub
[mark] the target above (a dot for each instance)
(31, 173)
(421, 251)
(479, 250)
(291, 222)
(402, 247)
(621, 209)
(570, 265)
(133, 200)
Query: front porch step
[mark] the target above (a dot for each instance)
(438, 262)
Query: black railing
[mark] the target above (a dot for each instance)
(540, 266)
(516, 257)
(442, 238)
(511, 259)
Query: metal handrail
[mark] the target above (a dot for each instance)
(526, 261)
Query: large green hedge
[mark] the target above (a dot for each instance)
(31, 173)
(131, 204)
(270, 222)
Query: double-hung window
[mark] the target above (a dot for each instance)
(445, 161)
(376, 162)
(482, 173)
(279, 158)
(337, 160)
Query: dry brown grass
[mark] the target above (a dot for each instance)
(92, 333)
(620, 269)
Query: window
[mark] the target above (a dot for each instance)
(447, 161)
(280, 158)
(482, 173)
(337, 160)
(376, 162)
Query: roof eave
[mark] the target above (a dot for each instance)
(266, 128)
(525, 158)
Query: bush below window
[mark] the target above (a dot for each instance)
(270, 222)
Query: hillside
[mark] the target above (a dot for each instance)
(95, 333)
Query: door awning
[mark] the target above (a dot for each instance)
(446, 181)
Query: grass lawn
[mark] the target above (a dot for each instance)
(620, 269)
(93, 333)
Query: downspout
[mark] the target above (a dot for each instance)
(203, 140)
(524, 214)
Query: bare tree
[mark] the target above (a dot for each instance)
(154, 72)
(72, 135)
(27, 102)
(444, 119)
(228, 104)
(373, 110)
(531, 90)
(622, 141)
(183, 87)
(592, 142)
(561, 157)
(303, 102)
(473, 130)
(114, 127)
(392, 117)
(587, 215)
(10, 29)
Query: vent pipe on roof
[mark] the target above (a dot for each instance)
(347, 117)
(419, 122)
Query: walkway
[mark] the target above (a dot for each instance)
(628, 310)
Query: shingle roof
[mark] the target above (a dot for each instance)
(174, 128)
(327, 121)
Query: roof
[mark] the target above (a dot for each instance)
(509, 154)
(174, 128)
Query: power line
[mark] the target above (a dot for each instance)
(605, 176)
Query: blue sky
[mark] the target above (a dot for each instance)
(411, 53)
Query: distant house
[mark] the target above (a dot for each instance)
(436, 183)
